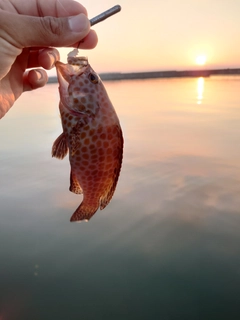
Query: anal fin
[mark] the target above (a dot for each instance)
(74, 184)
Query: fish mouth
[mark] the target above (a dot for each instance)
(78, 61)
(77, 67)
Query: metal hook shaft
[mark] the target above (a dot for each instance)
(104, 15)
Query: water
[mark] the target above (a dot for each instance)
(166, 247)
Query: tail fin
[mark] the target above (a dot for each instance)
(84, 212)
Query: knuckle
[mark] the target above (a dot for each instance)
(53, 25)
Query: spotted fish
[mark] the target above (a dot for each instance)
(91, 133)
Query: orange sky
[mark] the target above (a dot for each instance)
(163, 35)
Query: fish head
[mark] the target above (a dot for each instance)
(79, 85)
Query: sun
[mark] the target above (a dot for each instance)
(201, 60)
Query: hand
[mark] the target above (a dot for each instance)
(28, 32)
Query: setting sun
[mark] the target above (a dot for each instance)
(201, 60)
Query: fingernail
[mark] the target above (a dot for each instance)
(52, 58)
(79, 23)
(39, 74)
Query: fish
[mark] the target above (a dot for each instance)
(92, 136)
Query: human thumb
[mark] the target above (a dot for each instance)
(29, 31)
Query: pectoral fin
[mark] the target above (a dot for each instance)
(60, 147)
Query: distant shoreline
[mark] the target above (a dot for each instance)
(115, 76)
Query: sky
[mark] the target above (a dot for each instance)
(164, 35)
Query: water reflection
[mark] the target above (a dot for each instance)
(171, 234)
(200, 90)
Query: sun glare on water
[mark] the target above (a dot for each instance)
(201, 60)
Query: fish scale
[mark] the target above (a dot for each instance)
(91, 133)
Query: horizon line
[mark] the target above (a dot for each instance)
(114, 76)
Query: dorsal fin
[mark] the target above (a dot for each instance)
(105, 198)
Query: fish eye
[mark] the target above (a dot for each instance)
(93, 78)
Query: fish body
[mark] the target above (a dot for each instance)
(91, 133)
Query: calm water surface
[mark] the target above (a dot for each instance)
(166, 247)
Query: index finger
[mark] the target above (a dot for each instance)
(41, 8)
